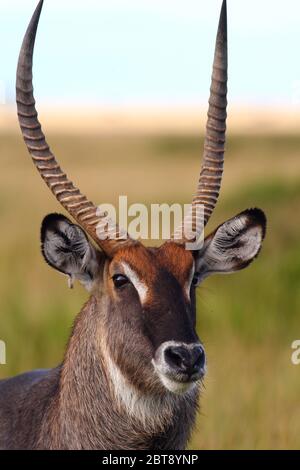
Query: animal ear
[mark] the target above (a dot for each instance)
(66, 248)
(233, 245)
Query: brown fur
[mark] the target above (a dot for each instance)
(107, 394)
(74, 406)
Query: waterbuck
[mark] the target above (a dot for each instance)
(132, 370)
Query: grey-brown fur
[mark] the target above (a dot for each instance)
(71, 407)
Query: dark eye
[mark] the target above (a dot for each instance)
(195, 280)
(120, 280)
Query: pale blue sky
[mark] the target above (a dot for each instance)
(154, 52)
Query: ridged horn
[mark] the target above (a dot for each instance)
(98, 226)
(209, 184)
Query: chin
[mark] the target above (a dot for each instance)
(180, 385)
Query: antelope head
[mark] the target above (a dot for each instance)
(145, 297)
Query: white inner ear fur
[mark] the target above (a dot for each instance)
(251, 240)
(221, 251)
(90, 263)
(139, 285)
(221, 255)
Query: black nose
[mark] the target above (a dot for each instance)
(189, 359)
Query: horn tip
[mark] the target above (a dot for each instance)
(37, 12)
(222, 29)
(223, 21)
(29, 38)
(39, 7)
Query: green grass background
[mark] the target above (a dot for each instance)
(247, 321)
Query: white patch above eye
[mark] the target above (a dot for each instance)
(139, 285)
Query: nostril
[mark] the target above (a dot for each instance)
(198, 358)
(174, 356)
(188, 359)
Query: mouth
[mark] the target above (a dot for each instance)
(177, 382)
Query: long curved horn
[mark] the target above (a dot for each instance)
(98, 226)
(214, 146)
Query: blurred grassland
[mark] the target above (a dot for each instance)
(247, 321)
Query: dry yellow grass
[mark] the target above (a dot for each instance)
(247, 321)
